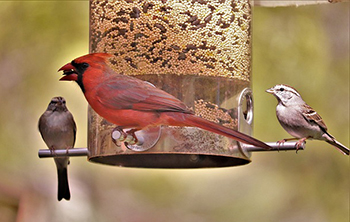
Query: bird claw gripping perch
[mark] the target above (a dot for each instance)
(128, 137)
(141, 140)
(300, 144)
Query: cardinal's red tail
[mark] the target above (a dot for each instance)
(199, 122)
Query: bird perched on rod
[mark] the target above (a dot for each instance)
(132, 103)
(299, 119)
(58, 130)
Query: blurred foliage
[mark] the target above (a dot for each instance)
(306, 47)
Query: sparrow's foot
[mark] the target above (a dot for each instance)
(281, 142)
(67, 150)
(300, 143)
(53, 152)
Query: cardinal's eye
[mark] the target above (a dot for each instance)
(85, 65)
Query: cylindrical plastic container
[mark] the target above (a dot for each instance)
(197, 50)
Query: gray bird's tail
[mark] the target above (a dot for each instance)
(63, 186)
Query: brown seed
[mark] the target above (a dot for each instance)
(208, 18)
(182, 56)
(135, 12)
(161, 27)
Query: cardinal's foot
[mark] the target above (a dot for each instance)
(118, 135)
(131, 138)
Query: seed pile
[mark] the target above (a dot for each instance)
(192, 37)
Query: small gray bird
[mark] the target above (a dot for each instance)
(58, 130)
(299, 119)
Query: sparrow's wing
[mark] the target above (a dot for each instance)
(123, 92)
(74, 126)
(41, 123)
(312, 116)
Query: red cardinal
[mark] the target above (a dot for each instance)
(132, 103)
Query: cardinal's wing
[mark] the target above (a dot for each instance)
(124, 92)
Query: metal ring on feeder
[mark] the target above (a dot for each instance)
(245, 114)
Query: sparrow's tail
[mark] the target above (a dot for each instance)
(343, 149)
(192, 120)
(63, 186)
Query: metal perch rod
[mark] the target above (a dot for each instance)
(44, 153)
(275, 147)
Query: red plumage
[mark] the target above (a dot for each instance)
(129, 102)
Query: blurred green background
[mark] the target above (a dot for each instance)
(306, 47)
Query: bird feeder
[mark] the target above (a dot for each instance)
(197, 50)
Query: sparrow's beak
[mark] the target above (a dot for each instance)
(69, 72)
(60, 101)
(271, 91)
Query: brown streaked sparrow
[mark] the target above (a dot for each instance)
(58, 130)
(299, 119)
